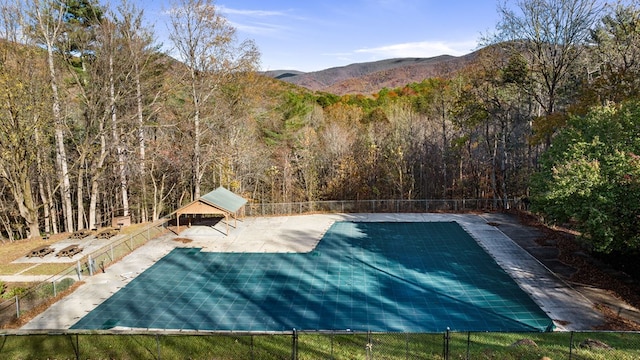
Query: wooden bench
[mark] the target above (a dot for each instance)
(41, 251)
(69, 251)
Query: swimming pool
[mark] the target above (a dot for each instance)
(362, 276)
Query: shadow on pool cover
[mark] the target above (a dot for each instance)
(363, 276)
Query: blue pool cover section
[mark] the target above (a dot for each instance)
(386, 277)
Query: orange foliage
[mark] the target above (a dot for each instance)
(408, 91)
(544, 127)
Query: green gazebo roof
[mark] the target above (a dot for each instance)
(224, 200)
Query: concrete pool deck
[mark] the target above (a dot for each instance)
(566, 306)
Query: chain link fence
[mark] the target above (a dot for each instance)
(382, 206)
(40, 293)
(77, 344)
(303, 345)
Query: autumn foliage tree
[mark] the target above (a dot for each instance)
(614, 70)
(23, 119)
(551, 35)
(590, 178)
(206, 42)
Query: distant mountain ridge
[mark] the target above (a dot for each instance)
(371, 77)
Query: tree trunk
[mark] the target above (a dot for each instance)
(158, 196)
(93, 201)
(54, 212)
(503, 167)
(27, 207)
(46, 204)
(95, 177)
(116, 139)
(141, 143)
(196, 140)
(7, 227)
(80, 198)
(444, 152)
(492, 148)
(49, 35)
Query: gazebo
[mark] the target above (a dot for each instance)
(218, 202)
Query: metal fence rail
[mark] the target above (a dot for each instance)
(380, 206)
(303, 345)
(40, 293)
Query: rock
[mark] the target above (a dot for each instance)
(594, 344)
(525, 342)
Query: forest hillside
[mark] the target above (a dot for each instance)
(371, 77)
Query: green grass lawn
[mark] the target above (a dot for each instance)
(319, 346)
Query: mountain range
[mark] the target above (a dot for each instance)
(371, 77)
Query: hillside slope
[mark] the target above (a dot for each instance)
(370, 77)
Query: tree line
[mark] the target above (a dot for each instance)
(100, 122)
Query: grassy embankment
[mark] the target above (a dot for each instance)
(314, 346)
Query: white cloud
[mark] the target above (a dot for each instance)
(421, 49)
(250, 13)
(259, 28)
(258, 22)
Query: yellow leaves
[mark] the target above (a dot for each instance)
(342, 113)
(398, 151)
(577, 177)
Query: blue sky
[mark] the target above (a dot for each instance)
(310, 35)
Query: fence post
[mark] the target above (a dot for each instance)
(77, 347)
(90, 265)
(571, 346)
(55, 293)
(294, 345)
(331, 344)
(253, 350)
(17, 307)
(445, 351)
(79, 270)
(158, 346)
(407, 346)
